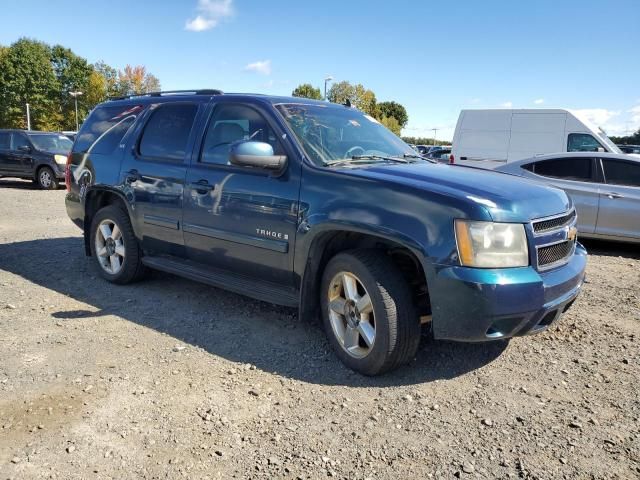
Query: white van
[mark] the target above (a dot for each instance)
(505, 135)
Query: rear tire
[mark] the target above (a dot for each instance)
(368, 312)
(46, 179)
(114, 246)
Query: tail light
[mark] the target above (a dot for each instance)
(67, 173)
(452, 159)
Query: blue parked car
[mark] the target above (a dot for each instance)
(318, 206)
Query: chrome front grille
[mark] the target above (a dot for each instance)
(553, 223)
(555, 254)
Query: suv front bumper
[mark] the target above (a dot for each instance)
(475, 305)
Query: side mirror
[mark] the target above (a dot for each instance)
(601, 150)
(257, 155)
(24, 149)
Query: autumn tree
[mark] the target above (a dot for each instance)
(306, 90)
(392, 124)
(360, 97)
(136, 80)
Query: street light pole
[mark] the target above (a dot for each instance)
(28, 118)
(75, 96)
(328, 79)
(435, 132)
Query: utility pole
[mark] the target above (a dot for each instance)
(435, 132)
(28, 118)
(75, 96)
(328, 79)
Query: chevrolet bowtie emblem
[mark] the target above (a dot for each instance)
(572, 233)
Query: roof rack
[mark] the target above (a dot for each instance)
(206, 91)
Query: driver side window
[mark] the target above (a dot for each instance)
(19, 140)
(232, 123)
(582, 142)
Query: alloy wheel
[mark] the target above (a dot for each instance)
(351, 314)
(109, 246)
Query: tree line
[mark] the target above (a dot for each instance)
(43, 76)
(391, 114)
(628, 139)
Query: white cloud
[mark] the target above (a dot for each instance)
(539, 101)
(507, 105)
(635, 114)
(210, 14)
(263, 67)
(596, 116)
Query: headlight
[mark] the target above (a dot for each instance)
(491, 245)
(60, 159)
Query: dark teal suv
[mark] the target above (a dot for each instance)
(318, 206)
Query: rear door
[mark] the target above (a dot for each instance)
(576, 176)
(620, 199)
(241, 219)
(153, 173)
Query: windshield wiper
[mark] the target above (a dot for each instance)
(357, 158)
(420, 157)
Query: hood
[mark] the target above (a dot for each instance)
(507, 198)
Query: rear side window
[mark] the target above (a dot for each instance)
(167, 132)
(582, 142)
(565, 168)
(5, 140)
(619, 172)
(105, 128)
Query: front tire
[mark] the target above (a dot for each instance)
(368, 312)
(46, 179)
(114, 246)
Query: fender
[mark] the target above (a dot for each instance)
(310, 246)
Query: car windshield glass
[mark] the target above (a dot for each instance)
(51, 142)
(331, 132)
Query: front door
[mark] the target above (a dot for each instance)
(620, 199)
(6, 163)
(153, 174)
(22, 152)
(241, 219)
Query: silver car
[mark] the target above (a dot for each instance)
(605, 188)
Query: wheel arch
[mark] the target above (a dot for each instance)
(329, 241)
(95, 199)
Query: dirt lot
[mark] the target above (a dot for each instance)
(173, 379)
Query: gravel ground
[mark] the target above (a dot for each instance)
(172, 379)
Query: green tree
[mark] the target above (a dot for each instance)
(27, 76)
(395, 110)
(392, 124)
(358, 95)
(110, 76)
(306, 90)
(72, 74)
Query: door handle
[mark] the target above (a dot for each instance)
(613, 195)
(132, 176)
(202, 186)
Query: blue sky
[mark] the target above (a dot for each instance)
(434, 57)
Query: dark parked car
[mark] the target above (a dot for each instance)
(440, 154)
(40, 156)
(316, 205)
(633, 149)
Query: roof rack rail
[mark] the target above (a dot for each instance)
(204, 91)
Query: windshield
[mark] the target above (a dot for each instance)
(51, 142)
(329, 133)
